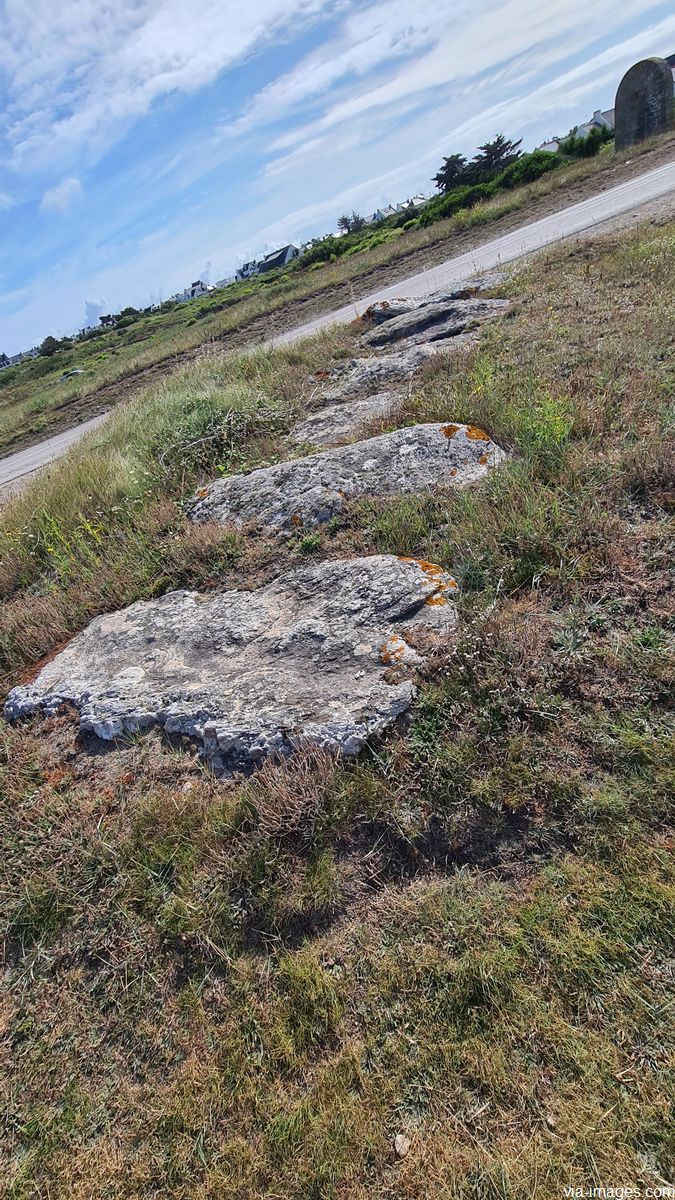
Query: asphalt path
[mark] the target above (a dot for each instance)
(577, 218)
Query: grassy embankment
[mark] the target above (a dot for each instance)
(246, 990)
(34, 401)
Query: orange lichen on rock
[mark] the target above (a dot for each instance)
(296, 520)
(473, 433)
(202, 492)
(393, 649)
(439, 577)
(483, 459)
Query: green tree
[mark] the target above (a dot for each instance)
(49, 346)
(353, 223)
(451, 174)
(492, 158)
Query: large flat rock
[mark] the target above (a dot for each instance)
(308, 491)
(371, 374)
(432, 320)
(385, 310)
(307, 658)
(337, 422)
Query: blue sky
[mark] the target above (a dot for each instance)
(145, 143)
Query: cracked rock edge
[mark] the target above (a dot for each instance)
(320, 656)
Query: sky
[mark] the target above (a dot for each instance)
(148, 143)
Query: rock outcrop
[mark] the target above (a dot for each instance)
(322, 655)
(386, 310)
(307, 492)
(337, 422)
(434, 320)
(359, 375)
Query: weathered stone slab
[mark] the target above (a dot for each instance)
(336, 422)
(386, 310)
(432, 321)
(372, 374)
(644, 103)
(308, 491)
(306, 659)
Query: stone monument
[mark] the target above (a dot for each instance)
(644, 102)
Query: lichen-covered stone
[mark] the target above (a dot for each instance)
(308, 491)
(386, 310)
(433, 320)
(306, 659)
(359, 375)
(336, 422)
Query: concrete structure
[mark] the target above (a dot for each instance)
(644, 102)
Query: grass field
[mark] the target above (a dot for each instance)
(35, 401)
(249, 989)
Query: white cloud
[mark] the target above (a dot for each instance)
(6, 202)
(523, 33)
(367, 40)
(61, 198)
(93, 308)
(80, 71)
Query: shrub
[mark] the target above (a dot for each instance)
(527, 169)
(575, 146)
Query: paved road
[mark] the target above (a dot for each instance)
(26, 462)
(574, 219)
(521, 241)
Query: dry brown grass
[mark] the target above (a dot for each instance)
(245, 989)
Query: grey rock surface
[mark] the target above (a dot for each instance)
(358, 375)
(308, 491)
(386, 310)
(335, 422)
(433, 321)
(306, 659)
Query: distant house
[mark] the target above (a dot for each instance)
(416, 201)
(4, 361)
(248, 269)
(199, 288)
(221, 283)
(278, 258)
(599, 120)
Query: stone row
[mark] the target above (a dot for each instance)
(324, 655)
